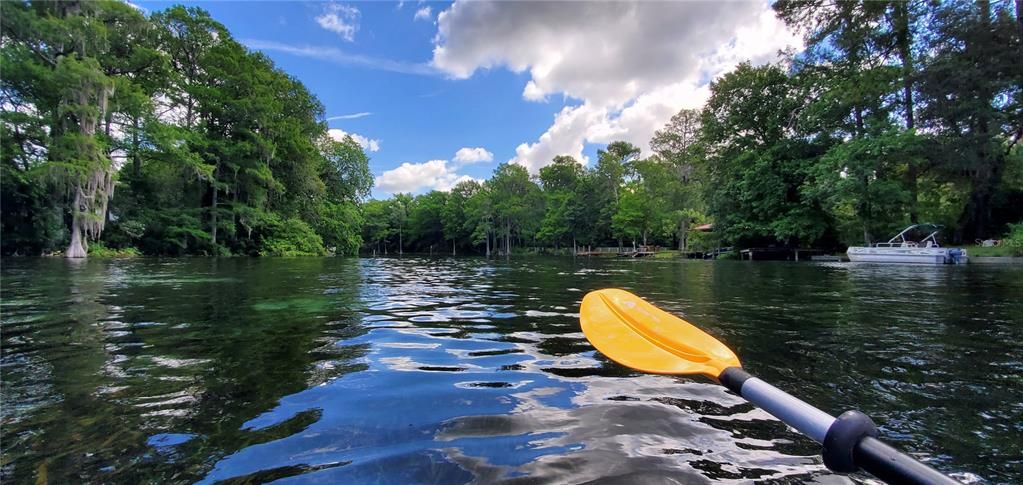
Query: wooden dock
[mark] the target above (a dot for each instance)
(828, 257)
(624, 252)
(710, 254)
(780, 254)
(608, 252)
(640, 252)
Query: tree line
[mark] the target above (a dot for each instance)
(896, 112)
(211, 148)
(623, 199)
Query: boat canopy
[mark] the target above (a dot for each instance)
(901, 240)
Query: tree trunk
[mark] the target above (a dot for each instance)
(904, 38)
(234, 201)
(682, 232)
(507, 239)
(93, 192)
(136, 160)
(911, 180)
(976, 218)
(977, 213)
(453, 248)
(863, 208)
(78, 247)
(213, 216)
(488, 243)
(401, 250)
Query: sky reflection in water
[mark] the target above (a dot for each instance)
(453, 370)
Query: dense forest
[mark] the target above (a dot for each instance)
(896, 112)
(163, 135)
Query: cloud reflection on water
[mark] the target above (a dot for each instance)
(528, 398)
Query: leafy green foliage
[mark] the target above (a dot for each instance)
(454, 215)
(339, 225)
(1014, 239)
(345, 169)
(517, 203)
(426, 220)
(973, 91)
(859, 179)
(377, 229)
(560, 182)
(291, 237)
(224, 153)
(100, 250)
(756, 170)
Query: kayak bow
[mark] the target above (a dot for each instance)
(636, 334)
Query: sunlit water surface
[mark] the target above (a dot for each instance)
(451, 370)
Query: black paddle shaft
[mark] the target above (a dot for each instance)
(893, 466)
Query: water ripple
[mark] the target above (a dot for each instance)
(467, 370)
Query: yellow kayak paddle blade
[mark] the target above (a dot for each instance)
(636, 334)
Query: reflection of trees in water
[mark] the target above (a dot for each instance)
(67, 349)
(268, 334)
(902, 343)
(941, 357)
(193, 347)
(232, 352)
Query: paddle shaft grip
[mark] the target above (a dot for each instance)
(850, 435)
(790, 410)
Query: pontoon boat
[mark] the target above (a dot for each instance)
(900, 249)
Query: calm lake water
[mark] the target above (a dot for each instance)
(424, 370)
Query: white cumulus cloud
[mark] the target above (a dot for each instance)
(425, 13)
(341, 19)
(565, 137)
(631, 66)
(368, 144)
(468, 155)
(415, 177)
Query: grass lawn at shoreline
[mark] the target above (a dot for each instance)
(667, 254)
(981, 251)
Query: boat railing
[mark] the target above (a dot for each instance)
(909, 244)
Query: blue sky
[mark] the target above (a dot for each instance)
(417, 82)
